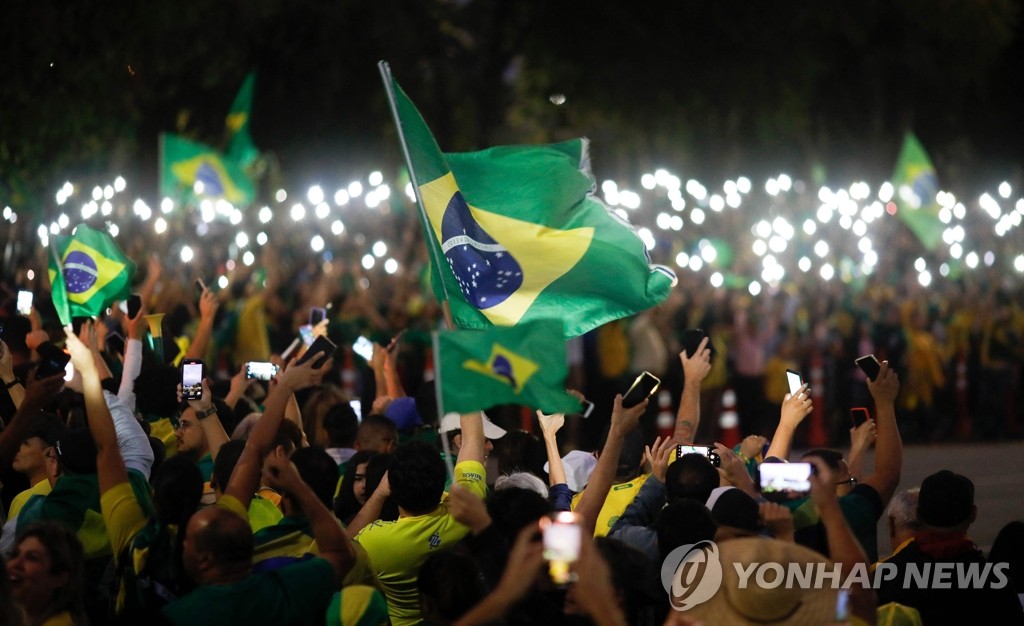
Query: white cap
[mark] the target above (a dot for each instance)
(578, 467)
(452, 421)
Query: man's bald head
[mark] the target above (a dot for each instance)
(217, 542)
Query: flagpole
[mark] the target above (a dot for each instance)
(440, 406)
(385, 74)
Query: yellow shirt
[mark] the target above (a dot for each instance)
(41, 488)
(398, 549)
(619, 497)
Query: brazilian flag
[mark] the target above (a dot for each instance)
(241, 149)
(916, 186)
(87, 273)
(516, 233)
(191, 171)
(524, 364)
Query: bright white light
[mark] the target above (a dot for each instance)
(89, 209)
(647, 237)
(824, 214)
(925, 278)
(959, 233)
(391, 266)
(1018, 263)
(629, 199)
(827, 272)
(63, 220)
(383, 192)
(709, 253)
(676, 223)
(375, 178)
(777, 244)
(68, 189)
(261, 239)
(716, 202)
(612, 197)
(697, 216)
(944, 269)
(772, 187)
(754, 288)
(647, 181)
(368, 261)
(733, 200)
(860, 191)
(956, 251)
(322, 210)
(989, 205)
(298, 212)
(804, 264)
(41, 231)
(355, 189)
(316, 243)
(160, 225)
(315, 195)
(372, 200)
(696, 189)
(207, 212)
(810, 226)
(106, 208)
(248, 258)
(380, 249)
(222, 282)
(1004, 190)
(186, 254)
(236, 217)
(945, 215)
(7, 212)
(864, 244)
(682, 259)
(61, 197)
(97, 193)
(266, 215)
(119, 184)
(167, 205)
(108, 192)
(341, 197)
(960, 211)
(860, 228)
(337, 227)
(113, 230)
(990, 258)
(717, 280)
(410, 192)
(972, 260)
(920, 264)
(870, 258)
(785, 182)
(821, 248)
(696, 263)
(845, 222)
(886, 191)
(609, 186)
(759, 247)
(729, 188)
(622, 213)
(241, 240)
(782, 227)
(664, 221)
(230, 265)
(54, 228)
(763, 229)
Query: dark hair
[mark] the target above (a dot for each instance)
(155, 390)
(66, 556)
(692, 477)
(683, 522)
(288, 435)
(1009, 548)
(346, 505)
(417, 477)
(832, 458)
(319, 471)
(520, 451)
(177, 491)
(316, 407)
(376, 467)
(453, 582)
(342, 424)
(378, 423)
(224, 464)
(634, 581)
(512, 509)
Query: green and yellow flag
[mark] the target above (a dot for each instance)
(240, 148)
(191, 171)
(87, 273)
(916, 185)
(524, 364)
(516, 233)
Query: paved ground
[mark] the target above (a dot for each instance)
(997, 470)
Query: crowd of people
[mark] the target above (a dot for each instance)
(322, 494)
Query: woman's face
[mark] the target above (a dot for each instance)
(359, 483)
(29, 572)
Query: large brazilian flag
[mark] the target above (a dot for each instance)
(516, 233)
(190, 170)
(522, 365)
(916, 186)
(88, 272)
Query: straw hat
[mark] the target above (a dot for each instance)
(755, 605)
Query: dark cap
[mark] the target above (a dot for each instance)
(47, 427)
(76, 451)
(736, 509)
(946, 500)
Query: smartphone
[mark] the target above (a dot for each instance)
(842, 605)
(69, 371)
(191, 379)
(24, 302)
(357, 407)
(115, 343)
(317, 314)
(869, 365)
(363, 347)
(134, 305)
(707, 451)
(562, 537)
(260, 370)
(306, 332)
(588, 408)
(795, 381)
(641, 389)
(691, 341)
(323, 348)
(859, 415)
(52, 360)
(781, 482)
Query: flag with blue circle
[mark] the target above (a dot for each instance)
(916, 185)
(524, 364)
(88, 272)
(517, 233)
(191, 171)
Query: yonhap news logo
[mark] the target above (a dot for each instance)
(692, 574)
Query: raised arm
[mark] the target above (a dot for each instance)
(213, 429)
(549, 426)
(794, 409)
(473, 442)
(335, 547)
(888, 444)
(207, 312)
(135, 329)
(15, 388)
(861, 439)
(623, 421)
(37, 393)
(245, 478)
(695, 370)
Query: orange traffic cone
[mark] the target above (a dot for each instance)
(816, 435)
(666, 421)
(729, 420)
(348, 375)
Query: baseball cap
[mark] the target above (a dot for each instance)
(47, 427)
(578, 467)
(76, 451)
(734, 508)
(946, 499)
(451, 422)
(402, 411)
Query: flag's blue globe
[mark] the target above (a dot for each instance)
(502, 367)
(486, 272)
(80, 272)
(208, 175)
